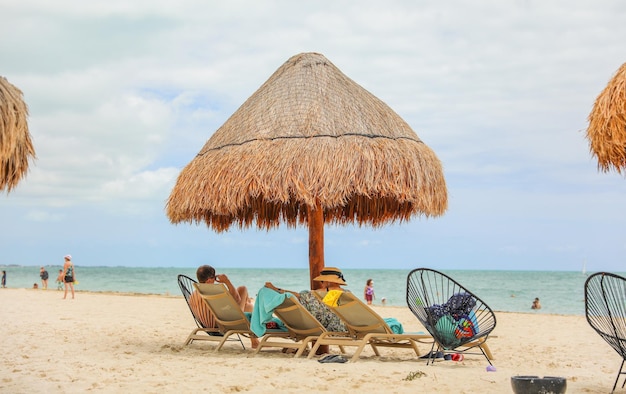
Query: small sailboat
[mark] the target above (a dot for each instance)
(584, 270)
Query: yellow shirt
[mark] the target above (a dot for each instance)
(332, 297)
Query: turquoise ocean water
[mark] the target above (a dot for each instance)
(561, 292)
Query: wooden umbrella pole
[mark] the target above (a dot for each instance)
(316, 242)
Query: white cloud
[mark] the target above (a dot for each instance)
(42, 216)
(123, 94)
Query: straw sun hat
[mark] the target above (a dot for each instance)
(331, 274)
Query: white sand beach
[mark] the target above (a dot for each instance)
(102, 342)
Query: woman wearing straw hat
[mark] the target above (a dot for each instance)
(332, 279)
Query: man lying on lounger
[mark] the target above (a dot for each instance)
(206, 274)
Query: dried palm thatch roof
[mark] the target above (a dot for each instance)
(16, 147)
(310, 137)
(607, 124)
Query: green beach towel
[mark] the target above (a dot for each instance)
(395, 325)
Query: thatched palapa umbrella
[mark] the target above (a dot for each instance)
(310, 146)
(607, 124)
(16, 147)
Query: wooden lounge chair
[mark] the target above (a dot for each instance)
(605, 310)
(366, 327)
(210, 333)
(229, 318)
(456, 318)
(302, 326)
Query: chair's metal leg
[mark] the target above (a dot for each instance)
(432, 354)
(618, 375)
(485, 354)
(241, 342)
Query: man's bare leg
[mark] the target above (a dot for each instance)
(246, 306)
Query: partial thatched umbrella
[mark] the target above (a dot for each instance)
(607, 124)
(16, 147)
(310, 146)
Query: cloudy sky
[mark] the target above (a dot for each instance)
(123, 94)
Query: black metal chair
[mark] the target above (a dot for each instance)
(605, 309)
(456, 318)
(212, 333)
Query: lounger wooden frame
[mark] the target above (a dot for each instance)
(302, 326)
(210, 333)
(366, 327)
(229, 317)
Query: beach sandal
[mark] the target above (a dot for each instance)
(326, 358)
(332, 358)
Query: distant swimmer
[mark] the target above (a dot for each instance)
(536, 304)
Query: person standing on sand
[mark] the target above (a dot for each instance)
(69, 275)
(368, 292)
(4, 279)
(43, 274)
(60, 280)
